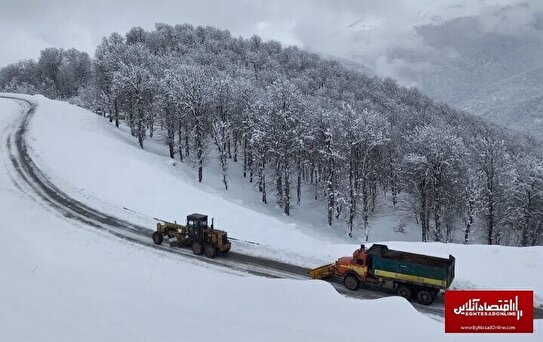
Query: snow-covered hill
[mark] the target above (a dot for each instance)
(65, 282)
(103, 166)
(70, 282)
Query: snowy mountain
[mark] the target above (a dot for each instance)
(484, 57)
(494, 75)
(515, 102)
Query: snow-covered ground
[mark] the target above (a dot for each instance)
(64, 282)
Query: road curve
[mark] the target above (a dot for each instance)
(33, 178)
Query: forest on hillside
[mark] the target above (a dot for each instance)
(295, 120)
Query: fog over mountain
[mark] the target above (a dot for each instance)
(489, 63)
(493, 74)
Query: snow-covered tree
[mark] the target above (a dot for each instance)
(135, 84)
(301, 121)
(195, 93)
(431, 172)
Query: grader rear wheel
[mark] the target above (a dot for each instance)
(157, 238)
(211, 252)
(197, 248)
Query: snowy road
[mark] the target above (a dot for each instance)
(31, 180)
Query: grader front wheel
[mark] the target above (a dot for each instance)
(157, 238)
(197, 248)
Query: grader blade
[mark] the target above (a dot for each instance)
(323, 271)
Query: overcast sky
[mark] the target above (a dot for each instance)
(364, 30)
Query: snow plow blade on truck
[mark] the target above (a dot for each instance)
(322, 272)
(409, 275)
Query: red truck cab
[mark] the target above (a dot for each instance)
(357, 266)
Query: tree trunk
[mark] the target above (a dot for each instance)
(423, 211)
(180, 141)
(116, 112)
(199, 148)
(131, 123)
(245, 157)
(235, 147)
(151, 125)
(365, 206)
(373, 192)
(316, 185)
(437, 222)
(263, 180)
(228, 147)
(250, 162)
(141, 127)
(490, 221)
(352, 194)
(187, 141)
(170, 133)
(279, 182)
(299, 181)
(223, 165)
(330, 186)
(287, 189)
(469, 223)
(171, 149)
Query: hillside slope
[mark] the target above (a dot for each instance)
(516, 102)
(101, 165)
(74, 283)
(62, 281)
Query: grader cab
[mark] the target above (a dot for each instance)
(196, 234)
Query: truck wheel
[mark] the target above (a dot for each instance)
(350, 282)
(157, 238)
(197, 248)
(425, 297)
(211, 252)
(404, 291)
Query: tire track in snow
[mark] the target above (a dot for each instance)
(73, 209)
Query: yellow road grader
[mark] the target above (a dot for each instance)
(196, 234)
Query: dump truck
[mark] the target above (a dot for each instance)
(196, 233)
(409, 275)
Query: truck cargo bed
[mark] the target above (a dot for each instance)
(411, 267)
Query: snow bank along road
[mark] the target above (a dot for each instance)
(30, 178)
